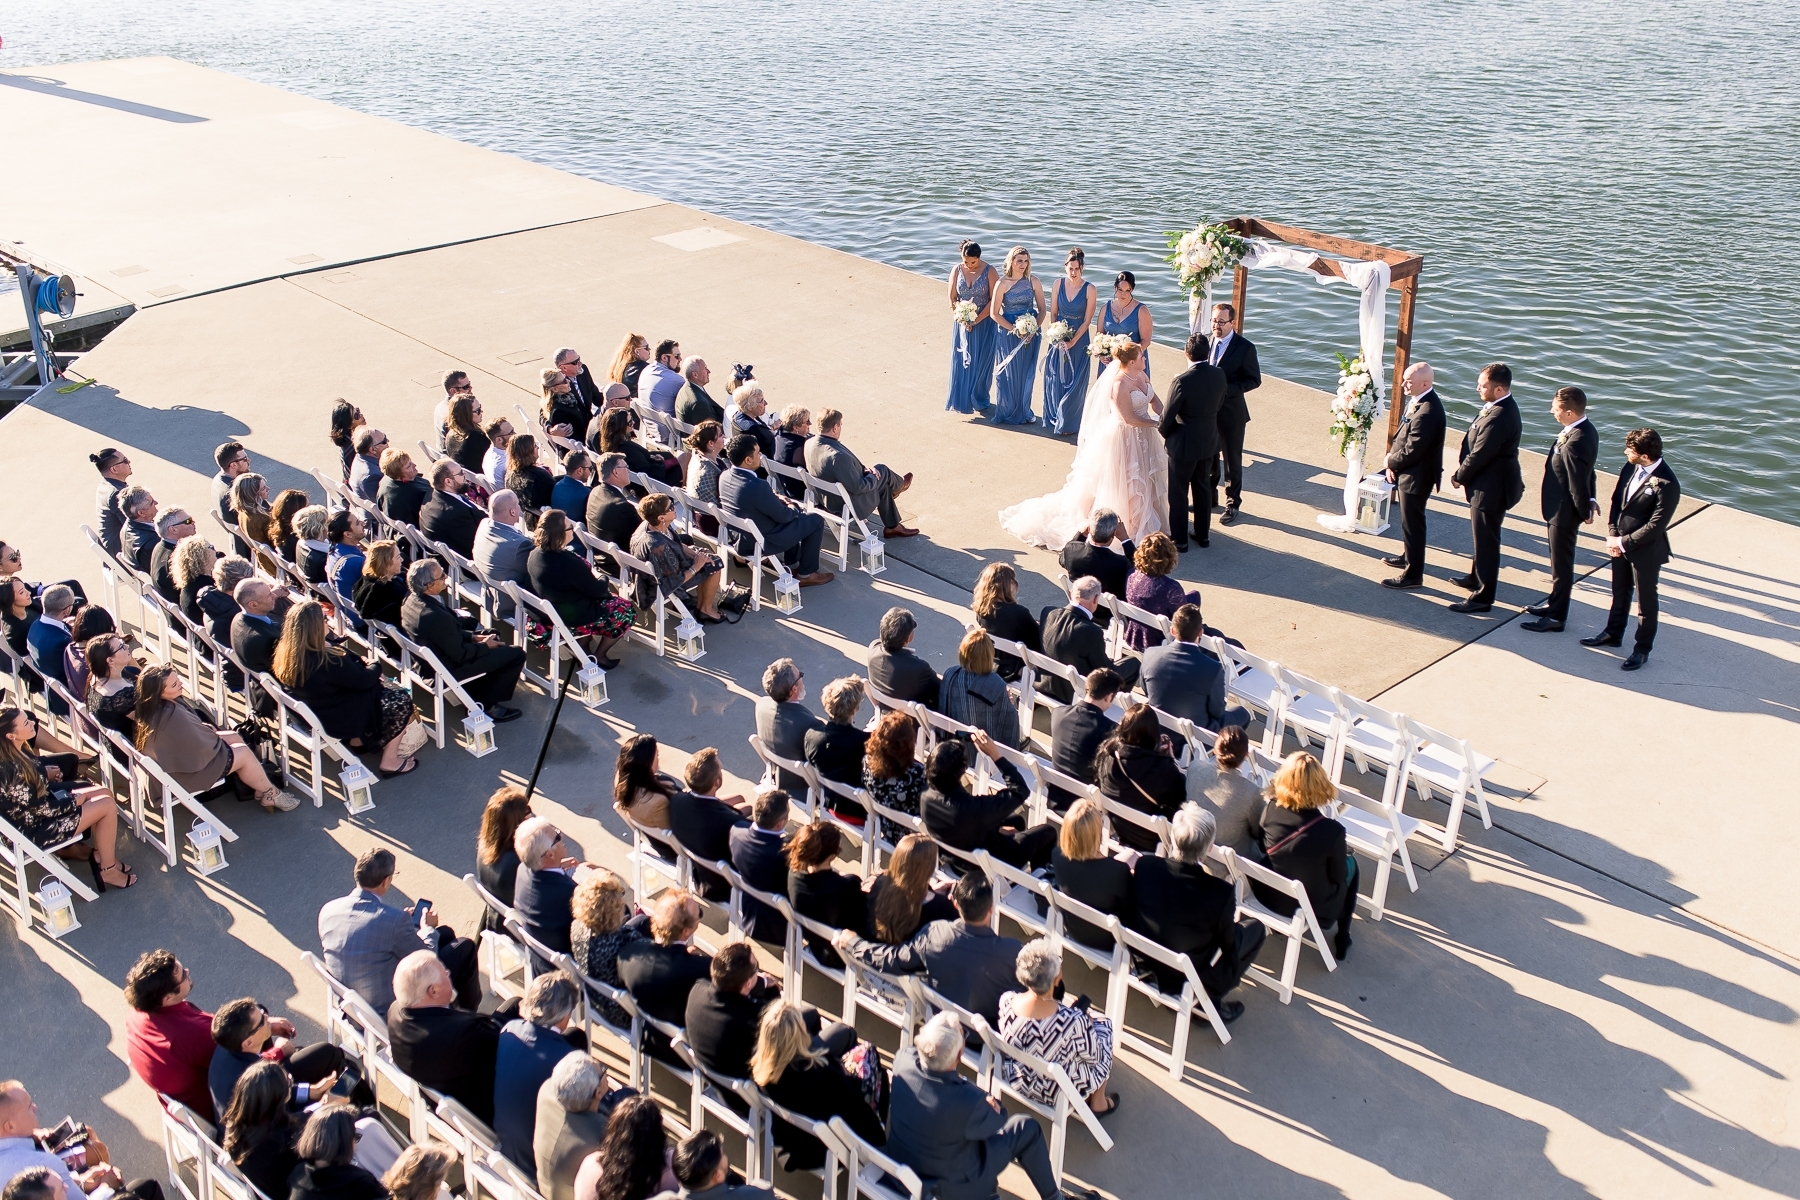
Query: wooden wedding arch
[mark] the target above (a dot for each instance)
(1403, 271)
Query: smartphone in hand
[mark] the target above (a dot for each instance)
(419, 911)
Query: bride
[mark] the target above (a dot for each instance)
(1120, 463)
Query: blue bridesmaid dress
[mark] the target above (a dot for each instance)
(1066, 370)
(972, 350)
(1128, 327)
(1016, 368)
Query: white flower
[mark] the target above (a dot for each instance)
(1058, 332)
(1025, 328)
(967, 314)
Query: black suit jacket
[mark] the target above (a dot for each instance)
(449, 1050)
(1417, 456)
(1569, 472)
(1182, 907)
(1072, 637)
(1103, 883)
(1190, 424)
(438, 628)
(1079, 558)
(611, 516)
(721, 1026)
(703, 824)
(762, 861)
(659, 977)
(451, 520)
(1242, 374)
(1488, 461)
(254, 643)
(903, 675)
(1642, 522)
(402, 502)
(969, 820)
(1075, 736)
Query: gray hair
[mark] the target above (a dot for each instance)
(422, 575)
(939, 1042)
(1037, 966)
(132, 499)
(415, 975)
(532, 840)
(1086, 588)
(1105, 525)
(842, 697)
(575, 1080)
(689, 365)
(230, 571)
(548, 1000)
(563, 353)
(896, 626)
(1193, 829)
(58, 598)
(781, 678)
(310, 522)
(169, 520)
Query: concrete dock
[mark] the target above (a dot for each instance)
(1596, 997)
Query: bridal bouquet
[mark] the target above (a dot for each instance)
(1025, 328)
(967, 314)
(1102, 346)
(1203, 253)
(1354, 407)
(1059, 333)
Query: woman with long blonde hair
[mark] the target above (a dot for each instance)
(807, 1075)
(346, 694)
(629, 361)
(1017, 295)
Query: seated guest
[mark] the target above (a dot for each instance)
(604, 925)
(661, 379)
(705, 464)
(379, 593)
(501, 547)
(346, 419)
(233, 462)
(573, 1106)
(418, 1172)
(313, 551)
(191, 568)
(583, 391)
(283, 512)
(748, 413)
(36, 1174)
(351, 699)
(617, 429)
(255, 634)
(993, 821)
(544, 890)
(1302, 843)
(1136, 768)
(818, 891)
(328, 1170)
(723, 1010)
(791, 431)
(783, 720)
(22, 611)
(892, 773)
(1217, 783)
(218, 609)
(525, 476)
(171, 526)
(563, 410)
(365, 472)
(964, 960)
(584, 601)
(109, 518)
(759, 855)
(530, 1047)
(681, 568)
(972, 692)
(89, 623)
(946, 1127)
(901, 899)
(1182, 907)
(802, 1073)
(449, 1049)
(1072, 636)
(168, 1038)
(1094, 551)
(493, 464)
(871, 489)
(192, 752)
(633, 1158)
(364, 939)
(48, 636)
(702, 822)
(997, 610)
(250, 505)
(139, 537)
(448, 516)
(344, 532)
(1085, 871)
(629, 362)
(787, 533)
(261, 1129)
(641, 789)
(835, 748)
(402, 494)
(660, 973)
(1152, 588)
(489, 671)
(244, 1034)
(693, 404)
(496, 858)
(1068, 1035)
(1077, 731)
(612, 514)
(570, 492)
(895, 669)
(1185, 681)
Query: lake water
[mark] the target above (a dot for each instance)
(1606, 194)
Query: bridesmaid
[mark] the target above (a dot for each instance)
(971, 349)
(1125, 315)
(1066, 370)
(1015, 371)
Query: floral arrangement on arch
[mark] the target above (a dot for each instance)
(1354, 407)
(1202, 254)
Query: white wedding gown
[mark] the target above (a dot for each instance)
(1117, 466)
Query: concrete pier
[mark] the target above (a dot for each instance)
(1596, 997)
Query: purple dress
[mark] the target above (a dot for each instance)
(1159, 594)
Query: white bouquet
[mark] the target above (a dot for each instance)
(1354, 406)
(1203, 253)
(1102, 346)
(967, 314)
(1025, 328)
(1059, 333)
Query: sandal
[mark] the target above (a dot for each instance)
(407, 765)
(118, 865)
(276, 800)
(1110, 1109)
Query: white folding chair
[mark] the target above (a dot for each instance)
(1254, 683)
(1374, 829)
(1375, 740)
(1451, 766)
(1302, 927)
(870, 1172)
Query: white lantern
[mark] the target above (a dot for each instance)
(690, 640)
(592, 682)
(480, 728)
(787, 593)
(209, 851)
(59, 908)
(874, 555)
(359, 787)
(1373, 495)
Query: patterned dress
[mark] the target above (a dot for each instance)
(1080, 1043)
(48, 818)
(597, 954)
(900, 794)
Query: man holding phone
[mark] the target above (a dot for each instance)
(22, 1149)
(364, 938)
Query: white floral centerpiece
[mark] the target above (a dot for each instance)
(1101, 347)
(967, 313)
(1025, 328)
(1059, 333)
(1354, 406)
(1200, 255)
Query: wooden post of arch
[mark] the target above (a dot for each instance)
(1403, 273)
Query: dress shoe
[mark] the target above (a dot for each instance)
(1395, 560)
(1203, 543)
(1543, 625)
(1537, 610)
(1403, 583)
(899, 531)
(502, 713)
(905, 482)
(1467, 583)
(1181, 547)
(1470, 606)
(1638, 658)
(1602, 639)
(1230, 1010)
(816, 578)
(1229, 516)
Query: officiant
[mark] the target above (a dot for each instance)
(1235, 355)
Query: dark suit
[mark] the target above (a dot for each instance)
(612, 516)
(1190, 430)
(45, 644)
(970, 965)
(451, 520)
(162, 571)
(783, 726)
(1417, 460)
(1567, 497)
(544, 899)
(693, 405)
(254, 642)
(1488, 471)
(1185, 681)
(1640, 518)
(440, 629)
(972, 821)
(942, 1126)
(402, 502)
(1105, 563)
(1072, 637)
(1182, 907)
(140, 542)
(703, 825)
(659, 979)
(903, 675)
(1075, 736)
(1242, 374)
(449, 1050)
(721, 1026)
(761, 858)
(787, 532)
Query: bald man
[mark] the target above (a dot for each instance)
(1415, 465)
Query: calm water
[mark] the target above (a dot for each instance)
(1605, 193)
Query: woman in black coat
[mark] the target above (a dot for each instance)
(796, 1071)
(1086, 872)
(529, 481)
(328, 1169)
(380, 590)
(1303, 843)
(402, 493)
(991, 821)
(790, 450)
(615, 437)
(465, 442)
(260, 1130)
(1135, 768)
(496, 861)
(820, 893)
(583, 600)
(345, 693)
(836, 749)
(997, 610)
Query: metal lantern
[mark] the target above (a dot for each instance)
(690, 640)
(480, 728)
(1373, 495)
(592, 682)
(359, 787)
(59, 908)
(874, 555)
(209, 851)
(787, 593)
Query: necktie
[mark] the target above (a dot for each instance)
(1218, 352)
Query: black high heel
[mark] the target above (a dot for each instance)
(94, 867)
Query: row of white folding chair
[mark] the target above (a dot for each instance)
(1027, 681)
(188, 1146)
(722, 542)
(829, 499)
(561, 643)
(665, 606)
(116, 575)
(871, 1172)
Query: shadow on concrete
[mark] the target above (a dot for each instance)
(55, 87)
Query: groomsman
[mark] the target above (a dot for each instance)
(1415, 466)
(1488, 471)
(1567, 497)
(1643, 506)
(1190, 430)
(1235, 355)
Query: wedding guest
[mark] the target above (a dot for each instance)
(233, 461)
(704, 465)
(1086, 872)
(792, 430)
(583, 600)
(1184, 680)
(871, 489)
(1078, 728)
(901, 898)
(1303, 844)
(660, 973)
(528, 479)
(346, 419)
(496, 858)
(379, 594)
(892, 775)
(702, 821)
(456, 383)
(419, 1171)
(366, 942)
(632, 1162)
(218, 607)
(139, 534)
(255, 632)
(1415, 466)
(997, 610)
(1136, 768)
(575, 485)
(1567, 499)
(402, 493)
(500, 435)
(365, 472)
(1488, 472)
(782, 718)
(449, 516)
(544, 888)
(604, 925)
(616, 437)
(994, 821)
(344, 562)
(49, 635)
(501, 548)
(681, 568)
(1183, 907)
(312, 551)
(629, 361)
(581, 382)
(746, 414)
(1066, 369)
(723, 1010)
(661, 379)
(260, 1128)
(612, 514)
(194, 754)
(1017, 294)
(1072, 636)
(349, 697)
(787, 532)
(972, 345)
(1152, 588)
(287, 506)
(530, 1047)
(1235, 355)
(171, 527)
(895, 669)
(1096, 551)
(109, 518)
(467, 442)
(191, 567)
(973, 693)
(563, 410)
(328, 1170)
(1644, 503)
(112, 685)
(245, 1033)
(693, 404)
(1068, 1035)
(168, 1038)
(1190, 431)
(1217, 783)
(448, 1047)
(836, 748)
(799, 1071)
(964, 960)
(641, 789)
(488, 669)
(1125, 316)
(759, 855)
(818, 891)
(573, 1108)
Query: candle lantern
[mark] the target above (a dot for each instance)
(592, 682)
(480, 728)
(59, 907)
(1373, 495)
(209, 851)
(874, 555)
(690, 640)
(359, 787)
(787, 593)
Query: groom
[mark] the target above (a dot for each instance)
(1190, 429)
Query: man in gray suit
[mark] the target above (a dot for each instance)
(964, 960)
(1185, 681)
(364, 938)
(782, 719)
(573, 1106)
(501, 547)
(871, 489)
